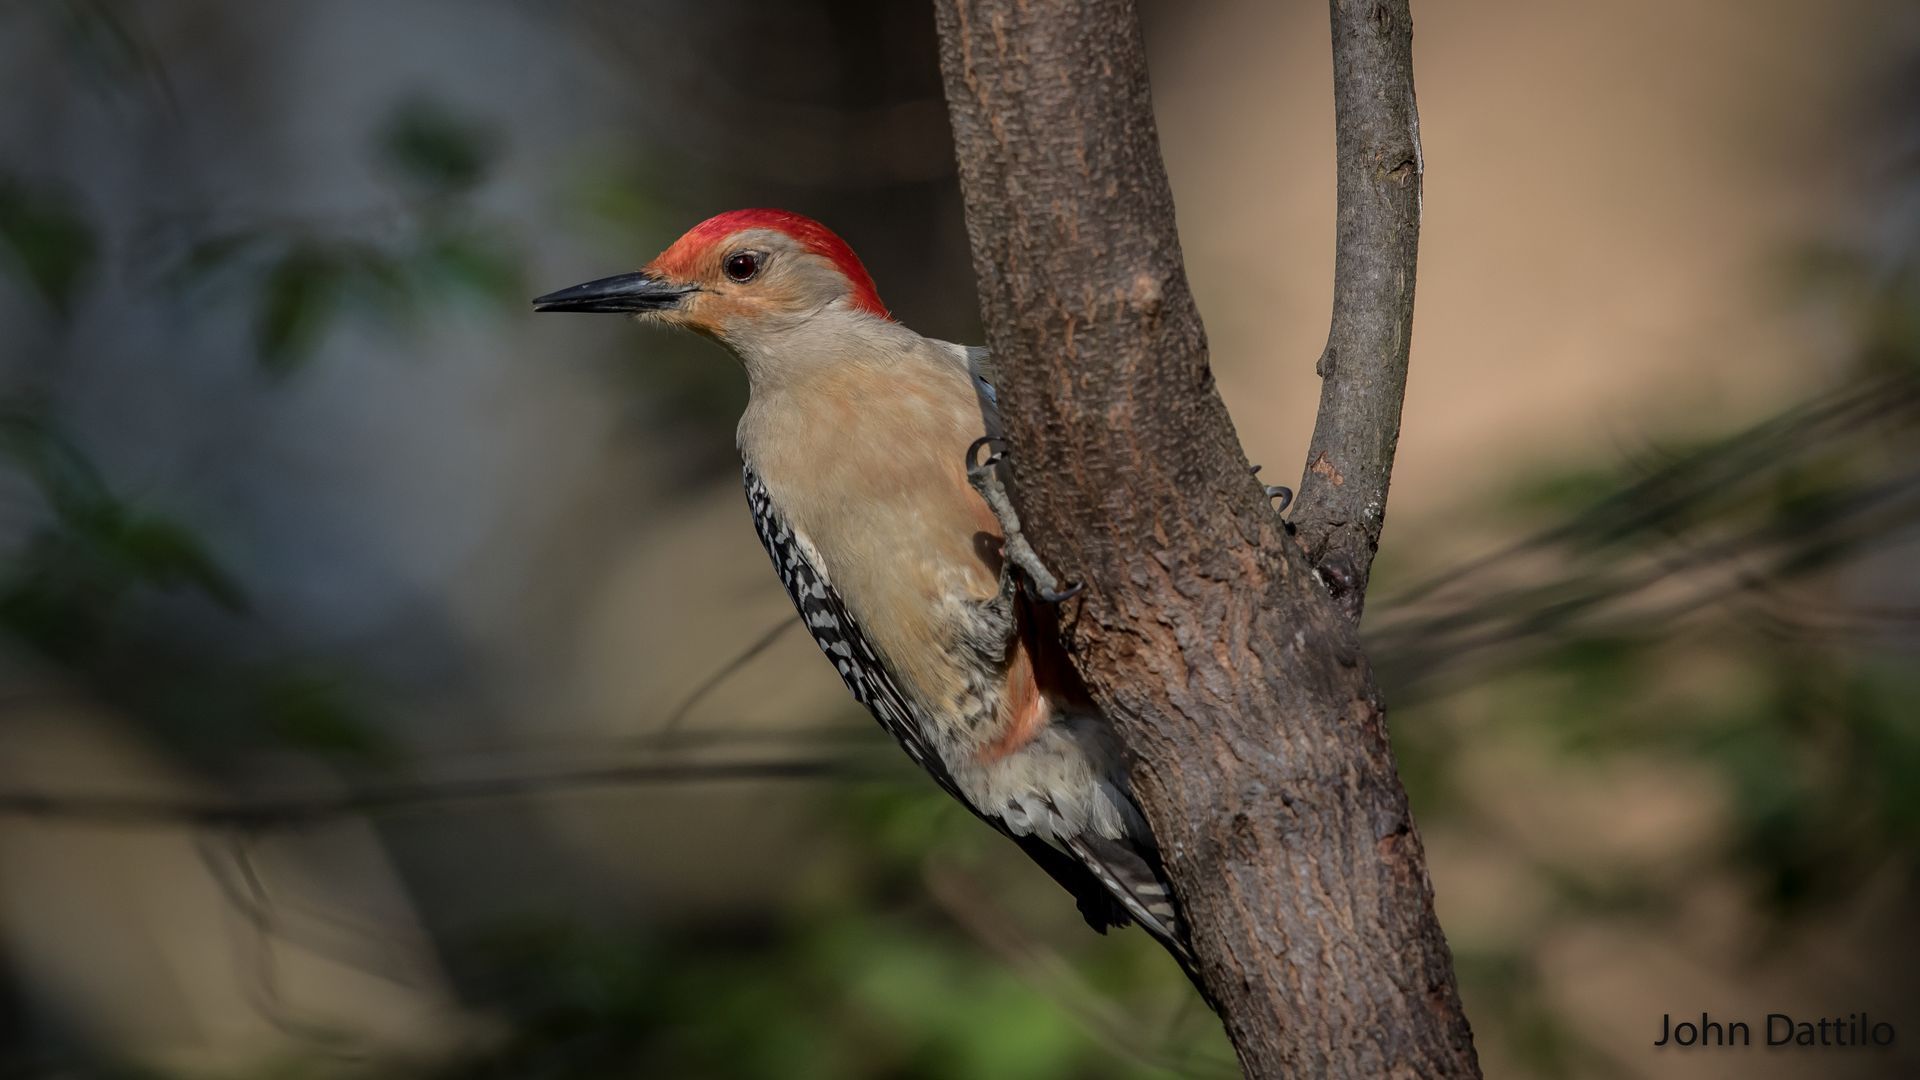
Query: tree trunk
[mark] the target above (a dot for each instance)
(1258, 741)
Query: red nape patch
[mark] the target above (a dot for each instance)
(683, 259)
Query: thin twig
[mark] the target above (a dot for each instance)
(671, 725)
(117, 809)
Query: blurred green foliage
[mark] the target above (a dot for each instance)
(306, 277)
(1741, 604)
(81, 591)
(1506, 988)
(438, 152)
(47, 235)
(868, 979)
(104, 39)
(71, 579)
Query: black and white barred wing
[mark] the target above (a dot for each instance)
(839, 636)
(836, 631)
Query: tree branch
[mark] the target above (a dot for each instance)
(124, 810)
(1257, 740)
(1343, 492)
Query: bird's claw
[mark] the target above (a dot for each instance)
(1276, 491)
(1060, 596)
(976, 469)
(1040, 583)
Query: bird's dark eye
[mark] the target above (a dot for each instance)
(742, 265)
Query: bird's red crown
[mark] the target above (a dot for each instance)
(683, 257)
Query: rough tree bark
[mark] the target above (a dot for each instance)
(1343, 493)
(1258, 740)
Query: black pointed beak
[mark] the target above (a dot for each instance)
(622, 293)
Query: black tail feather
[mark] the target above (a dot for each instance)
(1115, 882)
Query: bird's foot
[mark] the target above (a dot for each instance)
(1277, 491)
(985, 477)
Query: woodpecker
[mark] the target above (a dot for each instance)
(861, 444)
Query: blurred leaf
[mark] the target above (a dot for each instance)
(211, 255)
(1886, 751)
(436, 149)
(64, 476)
(56, 599)
(1776, 814)
(53, 245)
(305, 278)
(380, 284)
(1562, 490)
(165, 553)
(296, 301)
(101, 39)
(316, 713)
(97, 546)
(479, 264)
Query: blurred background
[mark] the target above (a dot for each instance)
(391, 684)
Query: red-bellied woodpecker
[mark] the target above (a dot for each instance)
(895, 542)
